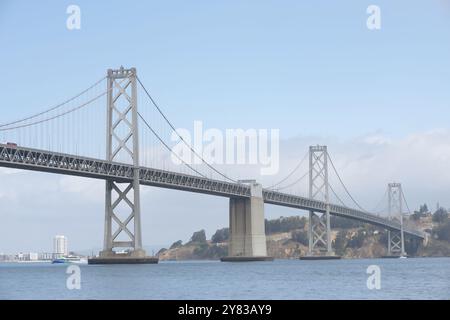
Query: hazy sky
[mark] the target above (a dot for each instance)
(379, 99)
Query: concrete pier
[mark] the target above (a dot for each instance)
(320, 258)
(247, 228)
(134, 257)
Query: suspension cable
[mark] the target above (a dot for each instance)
(380, 202)
(335, 194)
(292, 184)
(290, 174)
(181, 138)
(54, 107)
(56, 116)
(167, 147)
(406, 202)
(345, 188)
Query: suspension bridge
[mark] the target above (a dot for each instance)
(67, 139)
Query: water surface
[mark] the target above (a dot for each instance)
(418, 278)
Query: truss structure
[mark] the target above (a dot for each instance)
(48, 161)
(396, 241)
(122, 200)
(319, 231)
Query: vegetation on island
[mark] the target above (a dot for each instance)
(287, 238)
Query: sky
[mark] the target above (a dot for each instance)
(379, 99)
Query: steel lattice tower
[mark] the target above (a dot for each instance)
(396, 242)
(122, 141)
(319, 232)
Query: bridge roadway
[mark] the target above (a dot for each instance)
(47, 161)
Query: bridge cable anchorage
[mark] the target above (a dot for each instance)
(168, 148)
(179, 136)
(345, 188)
(54, 107)
(290, 174)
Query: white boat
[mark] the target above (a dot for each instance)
(71, 259)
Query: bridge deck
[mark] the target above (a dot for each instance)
(46, 161)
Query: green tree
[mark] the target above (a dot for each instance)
(199, 236)
(340, 243)
(423, 208)
(221, 235)
(357, 240)
(284, 224)
(440, 215)
(300, 236)
(416, 216)
(443, 231)
(344, 223)
(176, 244)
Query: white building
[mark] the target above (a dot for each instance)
(60, 246)
(45, 256)
(30, 256)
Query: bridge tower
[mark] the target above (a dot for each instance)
(319, 231)
(396, 241)
(122, 200)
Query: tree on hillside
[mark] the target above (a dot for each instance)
(221, 235)
(443, 231)
(340, 243)
(416, 216)
(176, 244)
(284, 224)
(440, 215)
(300, 236)
(199, 236)
(357, 240)
(344, 223)
(423, 208)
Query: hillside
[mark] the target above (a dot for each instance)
(287, 238)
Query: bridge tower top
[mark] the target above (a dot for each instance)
(395, 198)
(318, 173)
(122, 116)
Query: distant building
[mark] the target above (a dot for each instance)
(60, 246)
(44, 256)
(30, 256)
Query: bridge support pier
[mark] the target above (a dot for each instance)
(247, 228)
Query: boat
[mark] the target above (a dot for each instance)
(69, 259)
